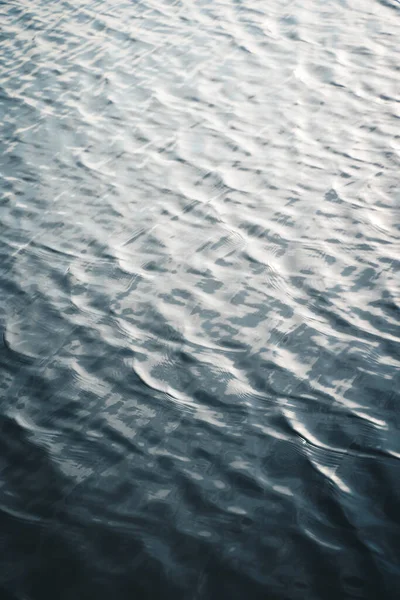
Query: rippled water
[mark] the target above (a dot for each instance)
(199, 299)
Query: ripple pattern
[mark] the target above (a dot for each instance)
(199, 299)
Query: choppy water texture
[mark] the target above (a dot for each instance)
(199, 299)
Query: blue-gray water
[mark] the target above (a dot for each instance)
(199, 299)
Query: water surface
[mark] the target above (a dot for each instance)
(199, 299)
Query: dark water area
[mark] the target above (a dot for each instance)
(199, 299)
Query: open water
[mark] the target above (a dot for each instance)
(199, 299)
